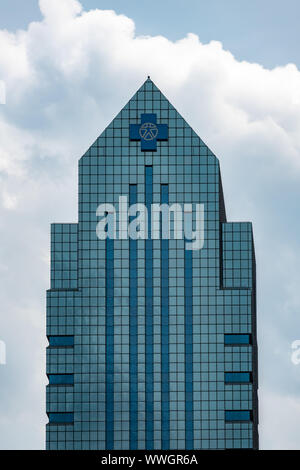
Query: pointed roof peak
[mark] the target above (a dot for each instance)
(149, 99)
(149, 80)
(149, 85)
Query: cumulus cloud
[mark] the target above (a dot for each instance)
(2, 92)
(280, 412)
(66, 76)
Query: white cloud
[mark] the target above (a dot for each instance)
(66, 77)
(2, 92)
(60, 11)
(9, 202)
(281, 412)
(95, 58)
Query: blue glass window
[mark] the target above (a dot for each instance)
(237, 377)
(238, 415)
(61, 341)
(61, 418)
(61, 379)
(237, 339)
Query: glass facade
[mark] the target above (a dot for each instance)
(151, 345)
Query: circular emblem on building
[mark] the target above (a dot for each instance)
(148, 131)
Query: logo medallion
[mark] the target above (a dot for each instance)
(148, 131)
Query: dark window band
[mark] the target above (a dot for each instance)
(237, 339)
(61, 379)
(238, 416)
(237, 377)
(61, 418)
(61, 341)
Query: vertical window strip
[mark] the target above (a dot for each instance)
(165, 406)
(133, 333)
(188, 329)
(149, 314)
(109, 347)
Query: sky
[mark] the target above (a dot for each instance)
(232, 70)
(263, 31)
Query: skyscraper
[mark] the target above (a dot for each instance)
(152, 333)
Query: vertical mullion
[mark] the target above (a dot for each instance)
(165, 411)
(188, 330)
(133, 333)
(149, 314)
(109, 345)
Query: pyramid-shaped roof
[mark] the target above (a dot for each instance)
(150, 100)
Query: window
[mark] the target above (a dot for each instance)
(238, 415)
(61, 341)
(61, 418)
(61, 379)
(237, 377)
(236, 340)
